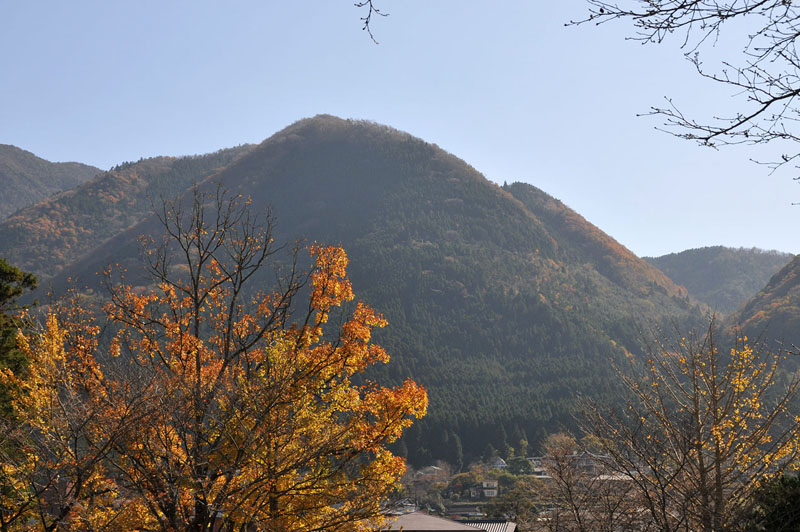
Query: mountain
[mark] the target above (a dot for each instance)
(723, 278)
(47, 236)
(774, 312)
(26, 178)
(502, 301)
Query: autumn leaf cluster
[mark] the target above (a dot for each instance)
(210, 407)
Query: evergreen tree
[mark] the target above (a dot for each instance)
(489, 454)
(506, 451)
(457, 452)
(776, 506)
(520, 439)
(13, 283)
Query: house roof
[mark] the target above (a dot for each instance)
(499, 463)
(420, 522)
(492, 525)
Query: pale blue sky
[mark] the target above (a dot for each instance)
(509, 89)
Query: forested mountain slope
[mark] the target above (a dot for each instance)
(774, 313)
(59, 230)
(721, 277)
(26, 178)
(505, 304)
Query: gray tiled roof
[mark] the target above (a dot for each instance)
(420, 522)
(492, 526)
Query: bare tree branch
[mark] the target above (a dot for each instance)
(765, 76)
(367, 19)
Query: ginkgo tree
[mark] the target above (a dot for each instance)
(704, 428)
(213, 406)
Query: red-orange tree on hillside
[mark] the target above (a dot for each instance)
(215, 407)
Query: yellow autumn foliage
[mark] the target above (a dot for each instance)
(209, 409)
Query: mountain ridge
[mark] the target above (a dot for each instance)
(500, 313)
(27, 178)
(721, 277)
(773, 314)
(503, 302)
(72, 223)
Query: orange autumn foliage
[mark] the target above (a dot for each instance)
(214, 407)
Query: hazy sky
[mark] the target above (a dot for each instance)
(509, 89)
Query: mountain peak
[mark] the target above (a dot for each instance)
(501, 302)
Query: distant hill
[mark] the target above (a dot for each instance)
(774, 312)
(45, 237)
(26, 178)
(721, 277)
(503, 302)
